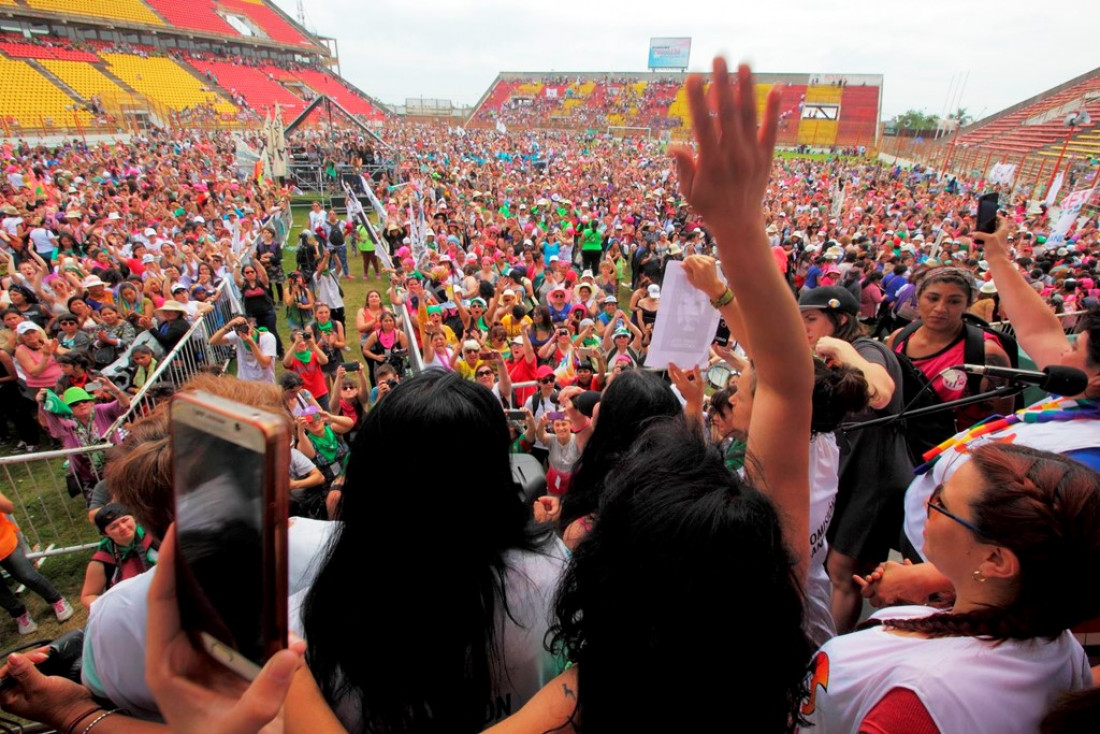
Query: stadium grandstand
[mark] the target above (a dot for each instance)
(78, 67)
(818, 110)
(1056, 128)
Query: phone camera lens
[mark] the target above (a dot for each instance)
(237, 426)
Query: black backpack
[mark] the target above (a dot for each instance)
(928, 431)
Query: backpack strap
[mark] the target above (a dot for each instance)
(974, 353)
(904, 334)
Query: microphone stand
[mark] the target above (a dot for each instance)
(1000, 392)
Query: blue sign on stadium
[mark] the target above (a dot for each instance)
(669, 53)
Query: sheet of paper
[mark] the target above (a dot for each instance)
(685, 326)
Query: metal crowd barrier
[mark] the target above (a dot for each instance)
(51, 520)
(1070, 320)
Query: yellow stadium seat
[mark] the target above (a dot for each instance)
(164, 82)
(131, 10)
(85, 79)
(34, 101)
(827, 94)
(817, 132)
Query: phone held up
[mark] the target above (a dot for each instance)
(230, 466)
(987, 213)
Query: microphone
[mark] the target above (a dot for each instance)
(1056, 379)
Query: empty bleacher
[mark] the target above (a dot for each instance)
(33, 101)
(196, 15)
(1033, 128)
(85, 79)
(269, 21)
(165, 82)
(326, 84)
(133, 11)
(859, 107)
(256, 86)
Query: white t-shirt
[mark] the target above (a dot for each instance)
(113, 664)
(824, 472)
(966, 684)
(530, 582)
(248, 367)
(1055, 436)
(43, 240)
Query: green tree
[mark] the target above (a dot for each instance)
(962, 115)
(916, 120)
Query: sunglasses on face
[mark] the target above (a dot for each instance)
(547, 380)
(485, 373)
(935, 502)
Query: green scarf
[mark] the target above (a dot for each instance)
(327, 445)
(304, 357)
(327, 327)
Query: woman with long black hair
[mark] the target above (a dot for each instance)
(451, 638)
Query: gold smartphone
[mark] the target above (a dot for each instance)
(231, 477)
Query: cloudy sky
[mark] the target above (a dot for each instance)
(453, 49)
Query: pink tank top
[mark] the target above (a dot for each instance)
(949, 384)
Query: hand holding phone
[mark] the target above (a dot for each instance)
(230, 473)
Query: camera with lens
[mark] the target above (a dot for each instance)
(392, 383)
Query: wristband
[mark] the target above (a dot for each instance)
(71, 727)
(723, 300)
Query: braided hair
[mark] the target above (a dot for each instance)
(1045, 508)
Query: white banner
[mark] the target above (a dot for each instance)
(1055, 188)
(1002, 173)
(685, 326)
(1071, 207)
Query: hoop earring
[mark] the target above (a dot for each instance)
(979, 577)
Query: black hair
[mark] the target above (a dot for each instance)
(633, 400)
(648, 590)
(424, 655)
(838, 391)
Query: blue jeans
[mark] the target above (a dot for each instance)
(21, 569)
(341, 252)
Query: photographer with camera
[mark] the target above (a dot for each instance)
(255, 345)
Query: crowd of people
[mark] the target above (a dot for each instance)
(678, 517)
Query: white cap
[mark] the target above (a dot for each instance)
(654, 291)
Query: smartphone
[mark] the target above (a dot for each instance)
(516, 415)
(351, 366)
(231, 471)
(486, 354)
(92, 386)
(987, 213)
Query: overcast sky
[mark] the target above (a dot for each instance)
(453, 49)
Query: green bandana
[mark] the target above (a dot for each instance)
(327, 327)
(305, 356)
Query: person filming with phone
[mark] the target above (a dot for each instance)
(255, 347)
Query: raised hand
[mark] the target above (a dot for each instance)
(726, 179)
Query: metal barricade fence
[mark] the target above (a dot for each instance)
(1070, 322)
(52, 521)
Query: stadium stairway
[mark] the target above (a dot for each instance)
(34, 101)
(165, 82)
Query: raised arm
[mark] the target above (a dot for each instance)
(1037, 327)
(725, 182)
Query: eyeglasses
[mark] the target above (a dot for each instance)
(936, 503)
(485, 373)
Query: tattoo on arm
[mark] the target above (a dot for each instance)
(569, 693)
